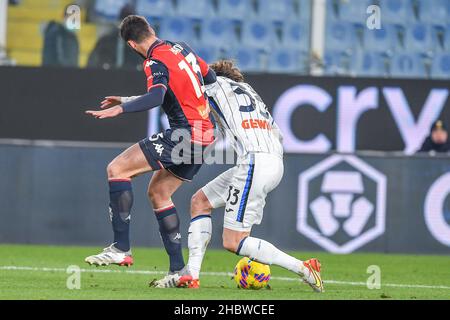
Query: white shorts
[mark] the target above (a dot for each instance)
(243, 190)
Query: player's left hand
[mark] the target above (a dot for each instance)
(110, 101)
(107, 113)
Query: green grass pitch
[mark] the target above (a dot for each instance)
(39, 272)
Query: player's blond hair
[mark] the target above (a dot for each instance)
(227, 69)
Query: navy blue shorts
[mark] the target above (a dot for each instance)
(159, 152)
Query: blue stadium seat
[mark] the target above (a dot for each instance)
(332, 10)
(198, 9)
(438, 38)
(154, 8)
(218, 32)
(368, 64)
(408, 65)
(340, 36)
(109, 9)
(440, 68)
(384, 39)
(447, 38)
(334, 62)
(436, 12)
(419, 38)
(280, 10)
(248, 59)
(287, 61)
(178, 29)
(296, 35)
(236, 9)
(353, 10)
(258, 34)
(208, 53)
(397, 11)
(302, 9)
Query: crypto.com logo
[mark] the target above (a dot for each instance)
(342, 203)
(435, 209)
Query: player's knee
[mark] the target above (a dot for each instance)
(199, 204)
(113, 171)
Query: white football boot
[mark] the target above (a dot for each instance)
(169, 281)
(111, 255)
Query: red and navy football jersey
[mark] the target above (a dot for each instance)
(180, 71)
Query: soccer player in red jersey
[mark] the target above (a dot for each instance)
(175, 78)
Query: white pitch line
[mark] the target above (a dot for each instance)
(220, 274)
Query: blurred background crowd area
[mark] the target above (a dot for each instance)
(263, 36)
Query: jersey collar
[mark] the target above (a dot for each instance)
(157, 42)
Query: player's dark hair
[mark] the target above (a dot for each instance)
(227, 69)
(135, 28)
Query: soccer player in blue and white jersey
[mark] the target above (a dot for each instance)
(243, 117)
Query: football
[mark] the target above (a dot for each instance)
(250, 274)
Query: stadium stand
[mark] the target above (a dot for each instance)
(369, 64)
(408, 65)
(26, 21)
(154, 8)
(257, 31)
(440, 68)
(235, 9)
(413, 34)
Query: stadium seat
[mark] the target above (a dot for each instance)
(218, 32)
(436, 12)
(178, 29)
(109, 9)
(208, 53)
(248, 59)
(296, 35)
(419, 38)
(258, 34)
(340, 36)
(236, 9)
(368, 64)
(397, 11)
(438, 38)
(154, 8)
(198, 9)
(287, 61)
(332, 10)
(335, 62)
(408, 65)
(447, 38)
(440, 67)
(384, 39)
(352, 10)
(280, 10)
(302, 9)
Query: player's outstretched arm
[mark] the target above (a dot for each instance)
(112, 101)
(106, 113)
(154, 98)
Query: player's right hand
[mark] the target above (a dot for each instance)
(110, 101)
(107, 113)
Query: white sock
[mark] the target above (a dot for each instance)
(265, 252)
(199, 236)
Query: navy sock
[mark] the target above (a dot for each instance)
(169, 228)
(121, 201)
